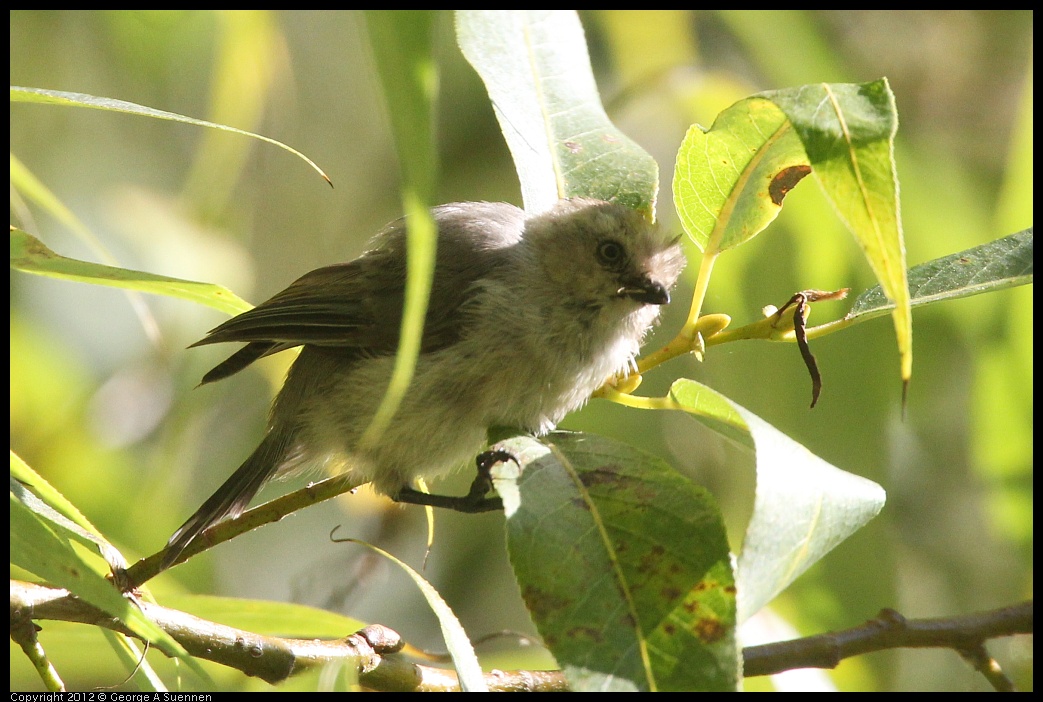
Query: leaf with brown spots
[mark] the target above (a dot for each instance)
(621, 562)
(729, 181)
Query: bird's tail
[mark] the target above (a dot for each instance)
(234, 495)
(239, 360)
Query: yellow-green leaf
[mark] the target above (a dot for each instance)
(28, 254)
(537, 71)
(60, 97)
(803, 506)
(848, 132)
(730, 181)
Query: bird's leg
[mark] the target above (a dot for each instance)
(475, 500)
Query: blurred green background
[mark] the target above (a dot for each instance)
(102, 398)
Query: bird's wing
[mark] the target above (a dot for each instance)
(326, 307)
(357, 306)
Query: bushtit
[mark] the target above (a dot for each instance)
(527, 317)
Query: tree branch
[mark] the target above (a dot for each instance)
(267, 513)
(888, 630)
(374, 650)
(272, 658)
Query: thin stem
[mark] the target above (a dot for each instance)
(636, 401)
(702, 283)
(686, 338)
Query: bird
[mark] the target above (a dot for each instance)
(528, 315)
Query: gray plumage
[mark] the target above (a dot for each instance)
(527, 317)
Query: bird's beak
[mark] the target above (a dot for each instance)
(645, 290)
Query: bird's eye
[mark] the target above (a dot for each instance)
(611, 253)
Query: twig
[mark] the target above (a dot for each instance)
(889, 630)
(23, 632)
(267, 513)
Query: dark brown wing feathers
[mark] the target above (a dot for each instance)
(357, 306)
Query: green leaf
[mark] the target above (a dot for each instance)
(401, 42)
(59, 97)
(848, 133)
(803, 506)
(23, 180)
(144, 677)
(28, 254)
(456, 641)
(45, 548)
(623, 564)
(247, 57)
(30, 186)
(535, 66)
(269, 618)
(40, 497)
(730, 181)
(999, 264)
(25, 475)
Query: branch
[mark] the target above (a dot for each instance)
(372, 651)
(23, 633)
(271, 658)
(965, 634)
(267, 513)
